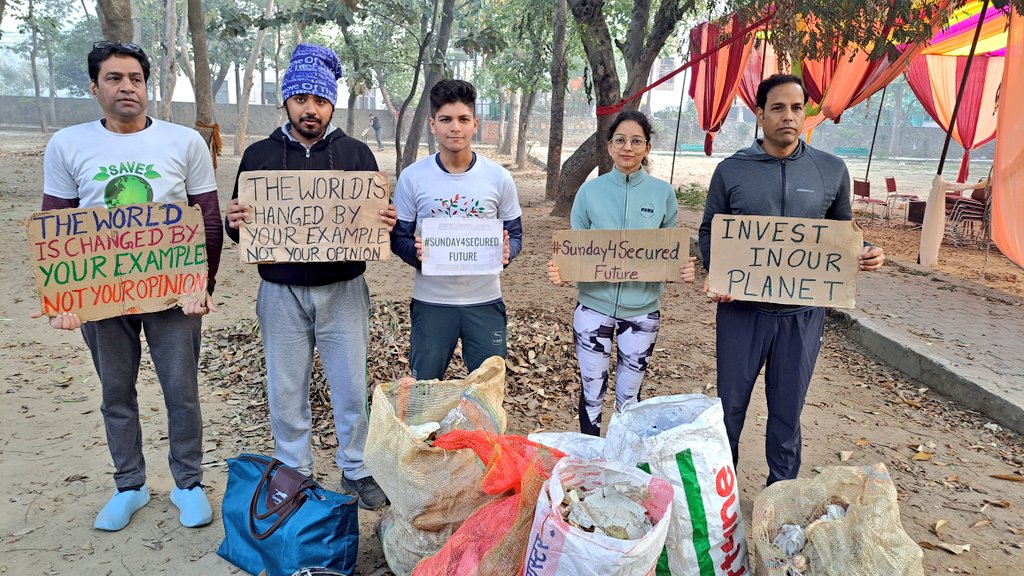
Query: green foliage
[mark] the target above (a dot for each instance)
(692, 195)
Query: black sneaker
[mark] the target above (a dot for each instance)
(371, 497)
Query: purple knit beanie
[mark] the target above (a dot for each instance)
(313, 70)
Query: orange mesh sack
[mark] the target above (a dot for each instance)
(431, 489)
(557, 548)
(868, 541)
(492, 541)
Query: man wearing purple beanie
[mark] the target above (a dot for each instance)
(303, 305)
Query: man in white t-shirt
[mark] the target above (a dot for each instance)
(127, 157)
(454, 183)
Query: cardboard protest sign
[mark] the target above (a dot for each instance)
(101, 263)
(313, 216)
(462, 246)
(652, 255)
(785, 260)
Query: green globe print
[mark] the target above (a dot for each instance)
(127, 189)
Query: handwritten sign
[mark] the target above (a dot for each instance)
(785, 260)
(313, 216)
(462, 246)
(620, 255)
(101, 263)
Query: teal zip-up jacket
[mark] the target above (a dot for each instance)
(616, 201)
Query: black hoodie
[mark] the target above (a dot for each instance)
(336, 151)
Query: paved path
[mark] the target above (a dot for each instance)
(957, 337)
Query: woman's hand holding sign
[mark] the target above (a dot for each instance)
(555, 275)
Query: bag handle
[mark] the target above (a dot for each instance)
(298, 497)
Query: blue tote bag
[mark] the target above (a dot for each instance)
(278, 520)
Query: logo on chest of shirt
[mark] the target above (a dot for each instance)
(458, 207)
(128, 183)
(647, 210)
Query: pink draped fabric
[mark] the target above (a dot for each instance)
(1008, 167)
(714, 80)
(753, 73)
(935, 81)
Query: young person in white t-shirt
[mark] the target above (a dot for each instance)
(127, 157)
(454, 183)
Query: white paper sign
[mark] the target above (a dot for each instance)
(462, 246)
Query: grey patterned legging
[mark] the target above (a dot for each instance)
(592, 334)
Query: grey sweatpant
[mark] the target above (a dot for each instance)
(336, 320)
(116, 350)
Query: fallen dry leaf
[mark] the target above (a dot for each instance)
(920, 456)
(954, 548)
(1010, 477)
(1017, 531)
(938, 524)
(982, 523)
(845, 455)
(999, 503)
(862, 442)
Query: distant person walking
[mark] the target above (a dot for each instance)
(625, 198)
(375, 124)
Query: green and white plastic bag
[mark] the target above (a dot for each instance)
(682, 439)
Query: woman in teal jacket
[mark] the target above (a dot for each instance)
(625, 198)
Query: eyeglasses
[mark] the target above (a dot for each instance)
(129, 47)
(619, 142)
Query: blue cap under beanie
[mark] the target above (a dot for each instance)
(313, 70)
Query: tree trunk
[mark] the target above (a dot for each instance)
(574, 173)
(238, 88)
(444, 32)
(357, 68)
(3, 8)
(427, 35)
(559, 72)
(529, 97)
(183, 62)
(218, 80)
(51, 82)
(33, 57)
(502, 100)
(431, 143)
(250, 67)
(897, 119)
(512, 127)
(385, 95)
(116, 19)
(205, 123)
(168, 60)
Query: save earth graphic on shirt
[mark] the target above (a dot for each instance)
(128, 183)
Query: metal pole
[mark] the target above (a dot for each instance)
(874, 135)
(963, 85)
(675, 143)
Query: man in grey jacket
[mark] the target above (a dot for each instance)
(777, 176)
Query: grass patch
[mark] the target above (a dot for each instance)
(692, 195)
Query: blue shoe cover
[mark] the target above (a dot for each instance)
(195, 508)
(118, 511)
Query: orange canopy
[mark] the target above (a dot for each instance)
(1008, 167)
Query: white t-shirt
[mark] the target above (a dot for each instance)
(163, 163)
(486, 190)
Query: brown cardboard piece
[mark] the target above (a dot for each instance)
(651, 255)
(101, 263)
(800, 261)
(313, 216)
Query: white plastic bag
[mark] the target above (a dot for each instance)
(572, 443)
(682, 438)
(556, 548)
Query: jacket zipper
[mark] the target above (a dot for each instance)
(625, 213)
(783, 188)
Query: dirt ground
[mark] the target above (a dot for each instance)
(58, 474)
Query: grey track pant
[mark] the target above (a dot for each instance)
(335, 319)
(116, 348)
